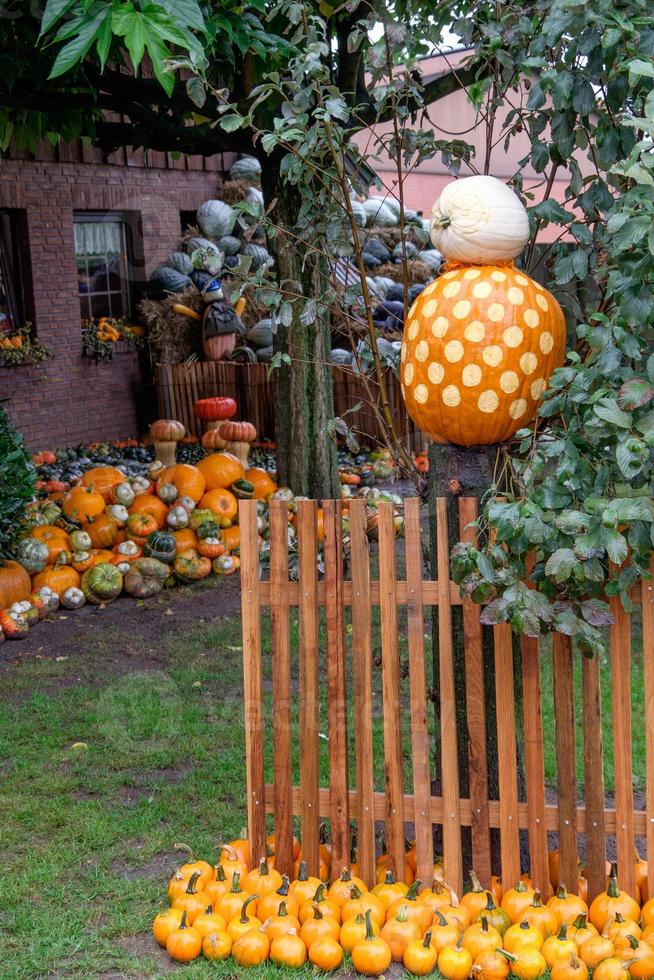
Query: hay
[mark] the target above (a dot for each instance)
(234, 191)
(173, 338)
(419, 272)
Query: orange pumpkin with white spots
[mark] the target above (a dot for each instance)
(480, 344)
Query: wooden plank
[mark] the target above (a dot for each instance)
(475, 714)
(429, 593)
(648, 671)
(506, 753)
(622, 759)
(593, 777)
(566, 770)
(420, 741)
(336, 687)
(281, 686)
(391, 693)
(452, 857)
(309, 693)
(362, 674)
(535, 765)
(324, 800)
(252, 688)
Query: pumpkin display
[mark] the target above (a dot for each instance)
(190, 568)
(220, 502)
(102, 583)
(15, 583)
(32, 555)
(103, 479)
(214, 410)
(149, 504)
(188, 480)
(166, 433)
(83, 503)
(160, 545)
(238, 436)
(59, 578)
(220, 470)
(480, 342)
(264, 485)
(73, 598)
(612, 901)
(145, 578)
(102, 530)
(212, 440)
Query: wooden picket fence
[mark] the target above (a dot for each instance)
(334, 659)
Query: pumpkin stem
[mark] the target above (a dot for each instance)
(208, 910)
(244, 908)
(580, 922)
(263, 867)
(345, 875)
(613, 889)
(476, 884)
(317, 914)
(507, 956)
(355, 891)
(402, 914)
(283, 888)
(359, 919)
(561, 891)
(484, 924)
(633, 942)
(427, 940)
(369, 932)
(182, 922)
(184, 847)
(442, 222)
(520, 887)
(490, 902)
(303, 872)
(390, 878)
(440, 918)
(192, 882)
(319, 895)
(525, 925)
(220, 873)
(412, 893)
(236, 883)
(619, 918)
(536, 902)
(563, 932)
(282, 910)
(229, 850)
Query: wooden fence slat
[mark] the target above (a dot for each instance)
(506, 753)
(336, 687)
(648, 671)
(420, 743)
(593, 777)
(362, 671)
(309, 689)
(566, 769)
(535, 765)
(281, 686)
(391, 694)
(622, 754)
(252, 688)
(475, 714)
(452, 856)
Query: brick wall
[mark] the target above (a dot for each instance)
(70, 398)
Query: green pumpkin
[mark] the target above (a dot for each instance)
(102, 583)
(32, 555)
(199, 516)
(243, 489)
(145, 578)
(208, 529)
(160, 545)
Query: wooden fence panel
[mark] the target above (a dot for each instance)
(362, 671)
(309, 684)
(348, 673)
(391, 694)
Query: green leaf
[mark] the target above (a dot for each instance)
(536, 98)
(615, 544)
(196, 91)
(76, 49)
(561, 564)
(639, 67)
(631, 456)
(54, 11)
(186, 12)
(129, 24)
(635, 393)
(596, 612)
(231, 123)
(609, 410)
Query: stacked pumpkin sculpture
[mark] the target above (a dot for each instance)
(255, 915)
(481, 341)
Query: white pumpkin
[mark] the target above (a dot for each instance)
(73, 598)
(479, 220)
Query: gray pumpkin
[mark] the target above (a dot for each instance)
(432, 258)
(341, 356)
(216, 218)
(265, 355)
(181, 262)
(378, 249)
(411, 250)
(359, 213)
(193, 244)
(260, 255)
(254, 196)
(247, 168)
(167, 280)
(261, 334)
(230, 244)
(377, 213)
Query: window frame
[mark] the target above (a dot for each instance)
(130, 262)
(13, 245)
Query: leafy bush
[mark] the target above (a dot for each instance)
(17, 480)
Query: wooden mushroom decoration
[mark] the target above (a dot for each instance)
(213, 411)
(481, 341)
(238, 436)
(212, 439)
(166, 433)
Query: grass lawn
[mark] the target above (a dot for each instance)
(88, 832)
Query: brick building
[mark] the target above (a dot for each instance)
(59, 210)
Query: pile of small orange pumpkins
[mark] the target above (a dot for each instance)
(110, 535)
(255, 914)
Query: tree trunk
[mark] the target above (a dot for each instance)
(306, 455)
(456, 471)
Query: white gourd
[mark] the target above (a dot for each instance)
(479, 220)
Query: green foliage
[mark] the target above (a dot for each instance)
(17, 481)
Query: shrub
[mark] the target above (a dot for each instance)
(17, 480)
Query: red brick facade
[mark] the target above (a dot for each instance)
(70, 398)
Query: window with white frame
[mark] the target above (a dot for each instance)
(103, 256)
